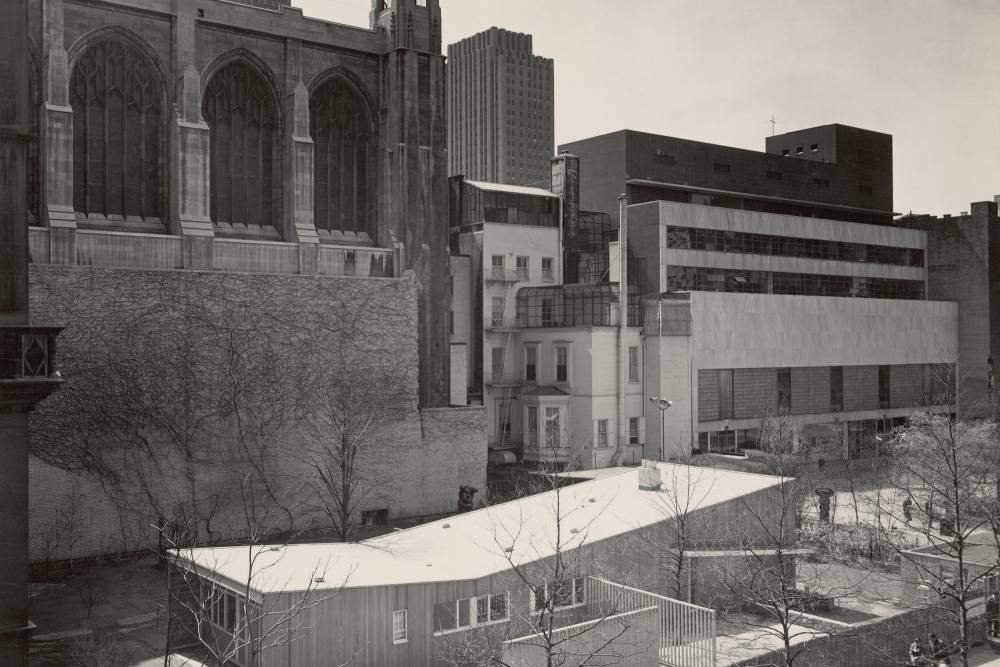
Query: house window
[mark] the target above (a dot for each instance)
(531, 432)
(721, 167)
(836, 388)
(497, 363)
(633, 430)
(522, 268)
(814, 147)
(497, 267)
(552, 435)
(602, 433)
(547, 273)
(547, 319)
(633, 364)
(496, 316)
(491, 608)
(399, 626)
(531, 364)
(558, 594)
(562, 364)
(884, 386)
(470, 612)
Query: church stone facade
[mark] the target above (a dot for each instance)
(242, 144)
(218, 135)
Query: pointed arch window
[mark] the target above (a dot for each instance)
(241, 115)
(344, 191)
(116, 101)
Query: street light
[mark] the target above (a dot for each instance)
(661, 404)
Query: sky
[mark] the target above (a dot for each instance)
(923, 71)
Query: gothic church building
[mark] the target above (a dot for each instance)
(209, 121)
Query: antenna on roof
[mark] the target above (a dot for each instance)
(773, 123)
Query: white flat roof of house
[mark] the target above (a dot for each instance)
(513, 189)
(474, 545)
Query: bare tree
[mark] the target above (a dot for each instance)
(949, 467)
(237, 623)
(357, 387)
(763, 594)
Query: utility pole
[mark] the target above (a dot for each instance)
(27, 353)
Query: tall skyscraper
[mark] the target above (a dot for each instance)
(500, 109)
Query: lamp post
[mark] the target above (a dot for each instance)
(661, 404)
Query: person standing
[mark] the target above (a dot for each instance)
(934, 645)
(916, 652)
(992, 610)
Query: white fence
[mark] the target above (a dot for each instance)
(687, 631)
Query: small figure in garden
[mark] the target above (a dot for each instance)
(466, 494)
(824, 504)
(916, 652)
(992, 610)
(908, 509)
(935, 645)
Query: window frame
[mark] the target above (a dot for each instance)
(579, 597)
(474, 621)
(633, 435)
(548, 272)
(633, 363)
(531, 350)
(523, 272)
(561, 350)
(405, 627)
(602, 434)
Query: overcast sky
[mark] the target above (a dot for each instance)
(924, 71)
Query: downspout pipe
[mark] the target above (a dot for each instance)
(622, 435)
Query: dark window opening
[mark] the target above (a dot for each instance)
(726, 393)
(721, 167)
(375, 517)
(884, 386)
(774, 175)
(836, 388)
(784, 393)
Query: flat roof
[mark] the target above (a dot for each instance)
(474, 545)
(513, 189)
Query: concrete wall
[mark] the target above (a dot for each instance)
(141, 357)
(747, 331)
(652, 244)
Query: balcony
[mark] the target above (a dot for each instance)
(501, 379)
(627, 626)
(498, 274)
(500, 324)
(28, 371)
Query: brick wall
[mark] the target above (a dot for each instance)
(708, 395)
(755, 392)
(860, 388)
(906, 385)
(141, 358)
(810, 390)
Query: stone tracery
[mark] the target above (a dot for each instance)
(341, 128)
(240, 111)
(116, 101)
